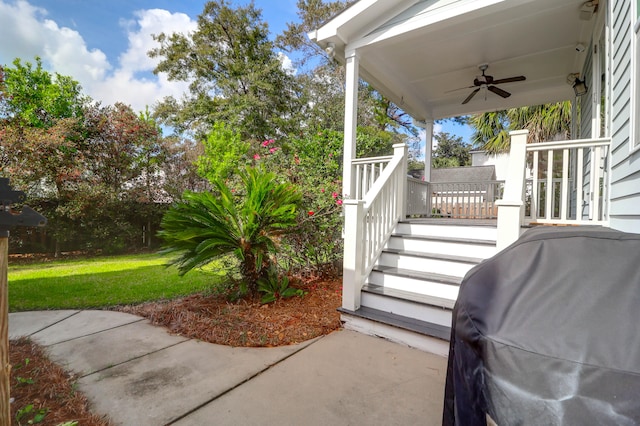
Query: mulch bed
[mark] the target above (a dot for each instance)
(214, 319)
(41, 388)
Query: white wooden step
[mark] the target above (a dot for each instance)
(408, 305)
(428, 262)
(442, 229)
(424, 283)
(443, 245)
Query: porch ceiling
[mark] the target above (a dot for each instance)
(417, 53)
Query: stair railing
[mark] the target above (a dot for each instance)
(368, 170)
(369, 222)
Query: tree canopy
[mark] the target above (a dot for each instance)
(451, 151)
(234, 74)
(35, 97)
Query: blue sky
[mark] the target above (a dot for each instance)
(103, 43)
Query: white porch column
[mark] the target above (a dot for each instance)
(350, 124)
(511, 207)
(401, 150)
(428, 149)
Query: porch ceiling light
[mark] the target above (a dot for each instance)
(579, 87)
(587, 10)
(330, 49)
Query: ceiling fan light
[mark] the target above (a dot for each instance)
(579, 87)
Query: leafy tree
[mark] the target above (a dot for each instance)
(39, 128)
(120, 145)
(544, 122)
(451, 151)
(36, 98)
(207, 226)
(179, 168)
(223, 151)
(235, 76)
(322, 79)
(311, 15)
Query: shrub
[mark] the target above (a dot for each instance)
(207, 225)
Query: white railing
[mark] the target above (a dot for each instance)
(569, 184)
(418, 197)
(369, 222)
(465, 200)
(458, 200)
(367, 171)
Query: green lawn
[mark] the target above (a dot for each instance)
(100, 282)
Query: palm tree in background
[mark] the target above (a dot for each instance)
(544, 122)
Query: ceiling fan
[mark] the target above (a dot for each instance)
(488, 82)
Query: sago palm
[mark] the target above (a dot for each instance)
(209, 225)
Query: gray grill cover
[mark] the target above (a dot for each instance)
(547, 332)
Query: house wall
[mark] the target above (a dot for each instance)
(586, 111)
(499, 161)
(625, 162)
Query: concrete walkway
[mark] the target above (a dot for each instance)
(138, 374)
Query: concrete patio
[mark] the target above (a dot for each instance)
(139, 374)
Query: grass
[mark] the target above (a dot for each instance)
(101, 282)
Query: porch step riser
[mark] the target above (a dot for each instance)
(405, 308)
(451, 231)
(414, 285)
(438, 266)
(372, 328)
(452, 248)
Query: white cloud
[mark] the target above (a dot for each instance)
(131, 83)
(17, 24)
(65, 51)
(287, 64)
(26, 33)
(141, 30)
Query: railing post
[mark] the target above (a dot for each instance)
(352, 265)
(401, 150)
(511, 207)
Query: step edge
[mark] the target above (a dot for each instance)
(471, 241)
(423, 276)
(408, 296)
(417, 326)
(436, 256)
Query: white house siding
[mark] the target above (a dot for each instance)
(586, 109)
(625, 166)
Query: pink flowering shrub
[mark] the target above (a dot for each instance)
(313, 162)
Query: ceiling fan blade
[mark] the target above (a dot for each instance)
(499, 91)
(510, 79)
(471, 95)
(460, 88)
